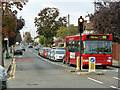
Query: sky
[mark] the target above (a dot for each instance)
(75, 8)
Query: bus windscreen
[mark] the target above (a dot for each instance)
(97, 47)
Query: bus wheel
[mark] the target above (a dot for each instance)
(104, 66)
(64, 61)
(69, 62)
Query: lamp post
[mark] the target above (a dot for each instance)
(68, 24)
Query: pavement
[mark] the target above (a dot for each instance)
(8, 62)
(116, 64)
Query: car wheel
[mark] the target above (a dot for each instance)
(4, 85)
(64, 61)
(54, 59)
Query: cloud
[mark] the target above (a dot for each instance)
(75, 8)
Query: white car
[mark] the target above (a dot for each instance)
(3, 78)
(58, 55)
(52, 54)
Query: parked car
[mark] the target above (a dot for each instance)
(18, 52)
(58, 55)
(40, 50)
(3, 78)
(37, 47)
(61, 48)
(23, 48)
(64, 60)
(45, 50)
(30, 46)
(48, 53)
(52, 54)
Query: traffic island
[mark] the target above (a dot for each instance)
(85, 72)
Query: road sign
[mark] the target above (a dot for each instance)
(91, 64)
(92, 60)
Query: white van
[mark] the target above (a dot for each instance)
(58, 55)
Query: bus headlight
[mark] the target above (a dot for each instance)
(109, 57)
(108, 60)
(85, 60)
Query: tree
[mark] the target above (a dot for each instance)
(106, 19)
(17, 37)
(28, 37)
(41, 40)
(62, 32)
(48, 22)
(11, 24)
(7, 7)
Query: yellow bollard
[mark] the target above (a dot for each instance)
(78, 63)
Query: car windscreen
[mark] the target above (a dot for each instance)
(60, 52)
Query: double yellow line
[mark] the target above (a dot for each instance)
(12, 72)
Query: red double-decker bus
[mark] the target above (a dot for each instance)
(93, 45)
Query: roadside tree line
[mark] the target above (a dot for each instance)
(11, 24)
(105, 20)
(49, 24)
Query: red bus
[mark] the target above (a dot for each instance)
(93, 45)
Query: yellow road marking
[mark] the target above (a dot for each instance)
(13, 68)
(14, 71)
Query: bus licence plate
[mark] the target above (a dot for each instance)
(98, 64)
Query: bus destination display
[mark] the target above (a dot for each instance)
(97, 36)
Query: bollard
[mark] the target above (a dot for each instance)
(7, 55)
(78, 63)
(91, 64)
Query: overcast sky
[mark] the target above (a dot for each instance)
(75, 8)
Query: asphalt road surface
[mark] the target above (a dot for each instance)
(33, 71)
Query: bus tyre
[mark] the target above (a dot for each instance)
(104, 66)
(69, 62)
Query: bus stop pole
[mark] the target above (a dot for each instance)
(80, 49)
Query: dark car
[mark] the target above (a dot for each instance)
(18, 52)
(30, 46)
(23, 48)
(3, 78)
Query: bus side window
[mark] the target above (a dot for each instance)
(69, 46)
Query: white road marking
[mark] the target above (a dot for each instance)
(117, 70)
(113, 87)
(95, 80)
(116, 78)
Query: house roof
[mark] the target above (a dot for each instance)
(89, 26)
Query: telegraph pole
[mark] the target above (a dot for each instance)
(1, 33)
(94, 6)
(68, 24)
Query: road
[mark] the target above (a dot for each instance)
(32, 71)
